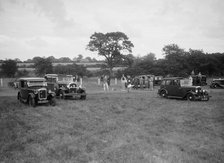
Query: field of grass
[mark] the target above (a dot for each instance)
(113, 127)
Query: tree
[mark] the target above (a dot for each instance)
(110, 45)
(80, 57)
(43, 66)
(175, 60)
(129, 60)
(72, 69)
(64, 59)
(9, 68)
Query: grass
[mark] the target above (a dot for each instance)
(113, 127)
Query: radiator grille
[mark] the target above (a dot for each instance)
(42, 94)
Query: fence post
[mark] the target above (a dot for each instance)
(115, 81)
(98, 81)
(1, 82)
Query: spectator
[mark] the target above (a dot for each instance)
(141, 82)
(108, 80)
(105, 83)
(151, 83)
(123, 82)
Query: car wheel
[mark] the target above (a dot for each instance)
(31, 101)
(52, 101)
(190, 97)
(215, 86)
(163, 93)
(62, 95)
(83, 97)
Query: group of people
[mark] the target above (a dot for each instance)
(127, 82)
(105, 79)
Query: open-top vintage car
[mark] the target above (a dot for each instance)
(70, 89)
(217, 83)
(34, 91)
(178, 87)
(65, 86)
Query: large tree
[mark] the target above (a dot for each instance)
(111, 45)
(9, 68)
(43, 66)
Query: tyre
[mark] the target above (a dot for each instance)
(62, 94)
(52, 101)
(163, 94)
(83, 97)
(31, 101)
(190, 97)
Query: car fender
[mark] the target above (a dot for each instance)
(190, 92)
(51, 95)
(32, 95)
(163, 90)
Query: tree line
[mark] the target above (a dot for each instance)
(116, 48)
(178, 62)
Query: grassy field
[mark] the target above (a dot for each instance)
(113, 127)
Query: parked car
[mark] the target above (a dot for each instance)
(178, 87)
(70, 89)
(217, 83)
(199, 80)
(65, 86)
(34, 91)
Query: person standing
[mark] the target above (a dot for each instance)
(151, 83)
(141, 82)
(123, 82)
(105, 83)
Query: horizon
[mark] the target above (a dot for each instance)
(62, 28)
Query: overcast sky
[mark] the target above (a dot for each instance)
(62, 28)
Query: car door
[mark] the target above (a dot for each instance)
(174, 88)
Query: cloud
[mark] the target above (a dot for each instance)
(37, 42)
(55, 11)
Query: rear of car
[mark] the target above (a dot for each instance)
(217, 83)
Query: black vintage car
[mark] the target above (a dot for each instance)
(34, 91)
(69, 89)
(178, 87)
(199, 80)
(217, 83)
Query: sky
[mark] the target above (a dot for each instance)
(62, 28)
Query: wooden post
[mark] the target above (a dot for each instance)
(98, 81)
(1, 82)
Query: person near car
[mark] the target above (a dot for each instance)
(151, 83)
(141, 80)
(123, 82)
(105, 83)
(190, 80)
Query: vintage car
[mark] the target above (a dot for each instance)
(178, 87)
(65, 86)
(34, 91)
(217, 83)
(70, 89)
(145, 80)
(199, 80)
